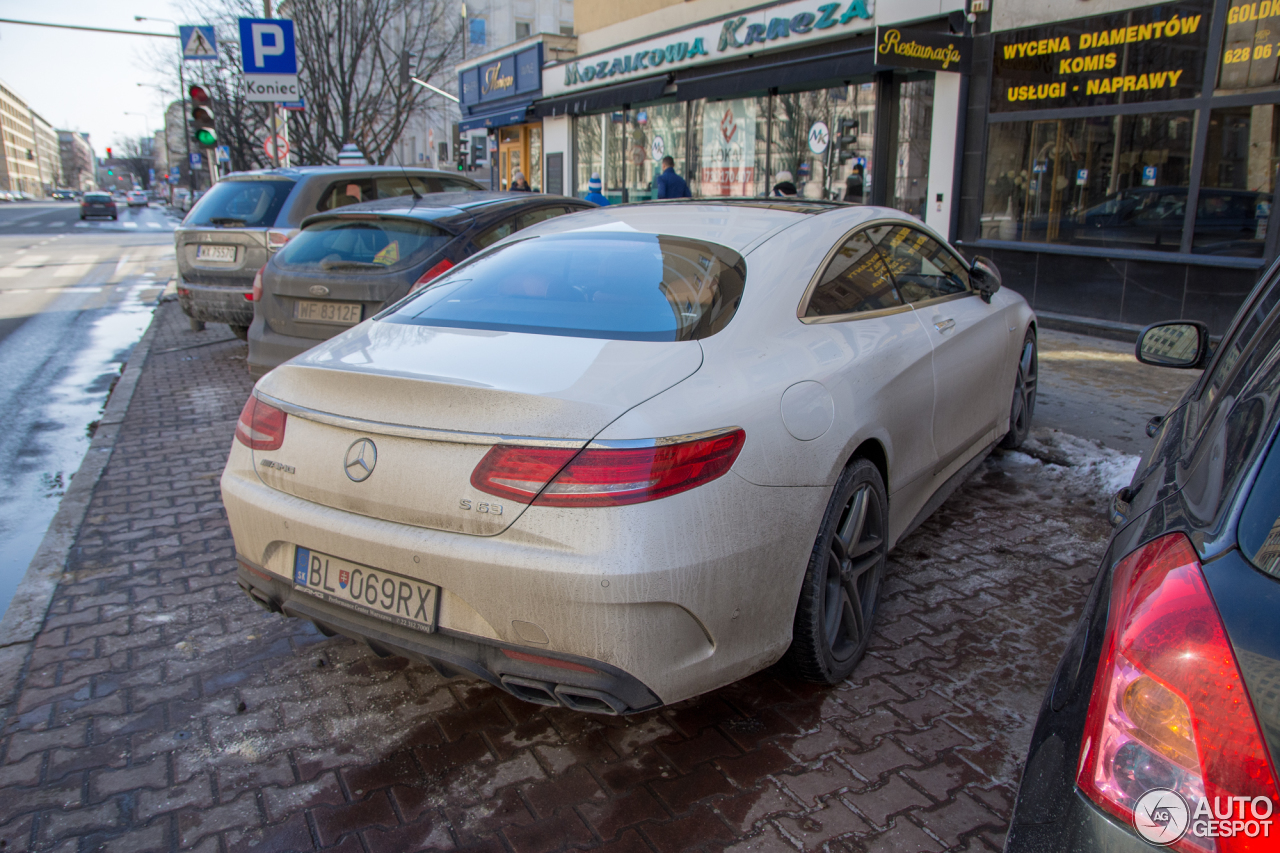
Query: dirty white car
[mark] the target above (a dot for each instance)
(629, 455)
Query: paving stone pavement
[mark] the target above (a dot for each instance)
(162, 710)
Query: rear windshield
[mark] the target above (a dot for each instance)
(365, 245)
(97, 197)
(619, 286)
(241, 204)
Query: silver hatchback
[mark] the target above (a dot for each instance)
(236, 226)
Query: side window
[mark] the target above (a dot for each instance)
(856, 280)
(533, 217)
(345, 192)
(1233, 347)
(921, 267)
(455, 185)
(393, 187)
(494, 233)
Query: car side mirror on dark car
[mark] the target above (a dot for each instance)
(1183, 344)
(985, 277)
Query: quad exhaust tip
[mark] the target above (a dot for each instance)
(555, 695)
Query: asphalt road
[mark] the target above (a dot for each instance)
(74, 299)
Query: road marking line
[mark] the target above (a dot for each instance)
(29, 263)
(78, 266)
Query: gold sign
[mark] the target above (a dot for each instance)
(495, 81)
(931, 51)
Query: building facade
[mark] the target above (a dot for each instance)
(29, 154)
(76, 156)
(1121, 166)
(741, 99)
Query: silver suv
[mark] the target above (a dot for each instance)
(232, 231)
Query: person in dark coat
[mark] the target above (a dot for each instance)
(519, 184)
(853, 186)
(669, 184)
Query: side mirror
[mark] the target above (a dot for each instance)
(1183, 344)
(984, 276)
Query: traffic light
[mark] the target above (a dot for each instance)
(847, 141)
(408, 67)
(108, 153)
(202, 114)
(462, 159)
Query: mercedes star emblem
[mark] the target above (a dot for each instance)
(362, 455)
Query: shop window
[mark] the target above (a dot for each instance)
(1238, 181)
(730, 140)
(1118, 182)
(909, 188)
(855, 281)
(805, 128)
(588, 144)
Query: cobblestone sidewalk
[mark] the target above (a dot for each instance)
(162, 710)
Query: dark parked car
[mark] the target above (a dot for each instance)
(234, 227)
(344, 267)
(97, 204)
(1164, 707)
(64, 195)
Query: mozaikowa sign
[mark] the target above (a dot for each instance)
(774, 27)
(928, 50)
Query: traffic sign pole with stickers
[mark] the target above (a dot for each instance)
(270, 64)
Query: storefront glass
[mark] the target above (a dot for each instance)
(914, 111)
(730, 143)
(1236, 188)
(805, 128)
(1108, 182)
(588, 142)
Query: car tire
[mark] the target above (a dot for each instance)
(1023, 407)
(196, 325)
(841, 585)
(241, 332)
(114, 217)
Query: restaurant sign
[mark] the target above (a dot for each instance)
(781, 26)
(1155, 53)
(931, 51)
(517, 73)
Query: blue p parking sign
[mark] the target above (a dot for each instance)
(266, 46)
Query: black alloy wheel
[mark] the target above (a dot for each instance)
(1024, 395)
(841, 587)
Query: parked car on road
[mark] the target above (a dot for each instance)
(137, 198)
(231, 232)
(1161, 725)
(97, 204)
(64, 195)
(348, 264)
(5, 195)
(630, 455)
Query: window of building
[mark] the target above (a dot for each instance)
(807, 124)
(911, 133)
(475, 27)
(1118, 182)
(523, 29)
(1238, 181)
(566, 29)
(730, 147)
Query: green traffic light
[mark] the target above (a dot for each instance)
(206, 137)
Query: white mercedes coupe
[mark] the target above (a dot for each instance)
(629, 455)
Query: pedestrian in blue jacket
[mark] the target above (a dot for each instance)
(593, 191)
(669, 184)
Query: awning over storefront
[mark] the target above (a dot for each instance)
(594, 100)
(516, 113)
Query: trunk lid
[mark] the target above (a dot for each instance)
(433, 401)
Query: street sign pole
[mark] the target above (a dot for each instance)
(186, 131)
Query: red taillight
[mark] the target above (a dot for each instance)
(256, 295)
(433, 273)
(605, 476)
(1169, 707)
(261, 426)
(276, 239)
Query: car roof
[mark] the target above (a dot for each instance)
(298, 172)
(448, 207)
(739, 224)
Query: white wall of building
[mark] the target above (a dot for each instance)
(1015, 14)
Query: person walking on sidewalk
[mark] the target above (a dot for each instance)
(520, 184)
(669, 184)
(593, 191)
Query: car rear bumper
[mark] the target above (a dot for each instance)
(1081, 828)
(646, 591)
(216, 303)
(269, 349)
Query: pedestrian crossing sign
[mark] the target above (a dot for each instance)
(198, 42)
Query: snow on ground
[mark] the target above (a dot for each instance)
(1063, 456)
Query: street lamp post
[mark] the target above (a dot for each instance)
(182, 95)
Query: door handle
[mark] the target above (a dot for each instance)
(944, 325)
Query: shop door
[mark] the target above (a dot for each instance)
(512, 154)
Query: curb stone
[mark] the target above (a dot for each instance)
(26, 612)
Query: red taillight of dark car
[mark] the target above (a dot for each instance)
(261, 426)
(1169, 709)
(435, 272)
(605, 476)
(255, 295)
